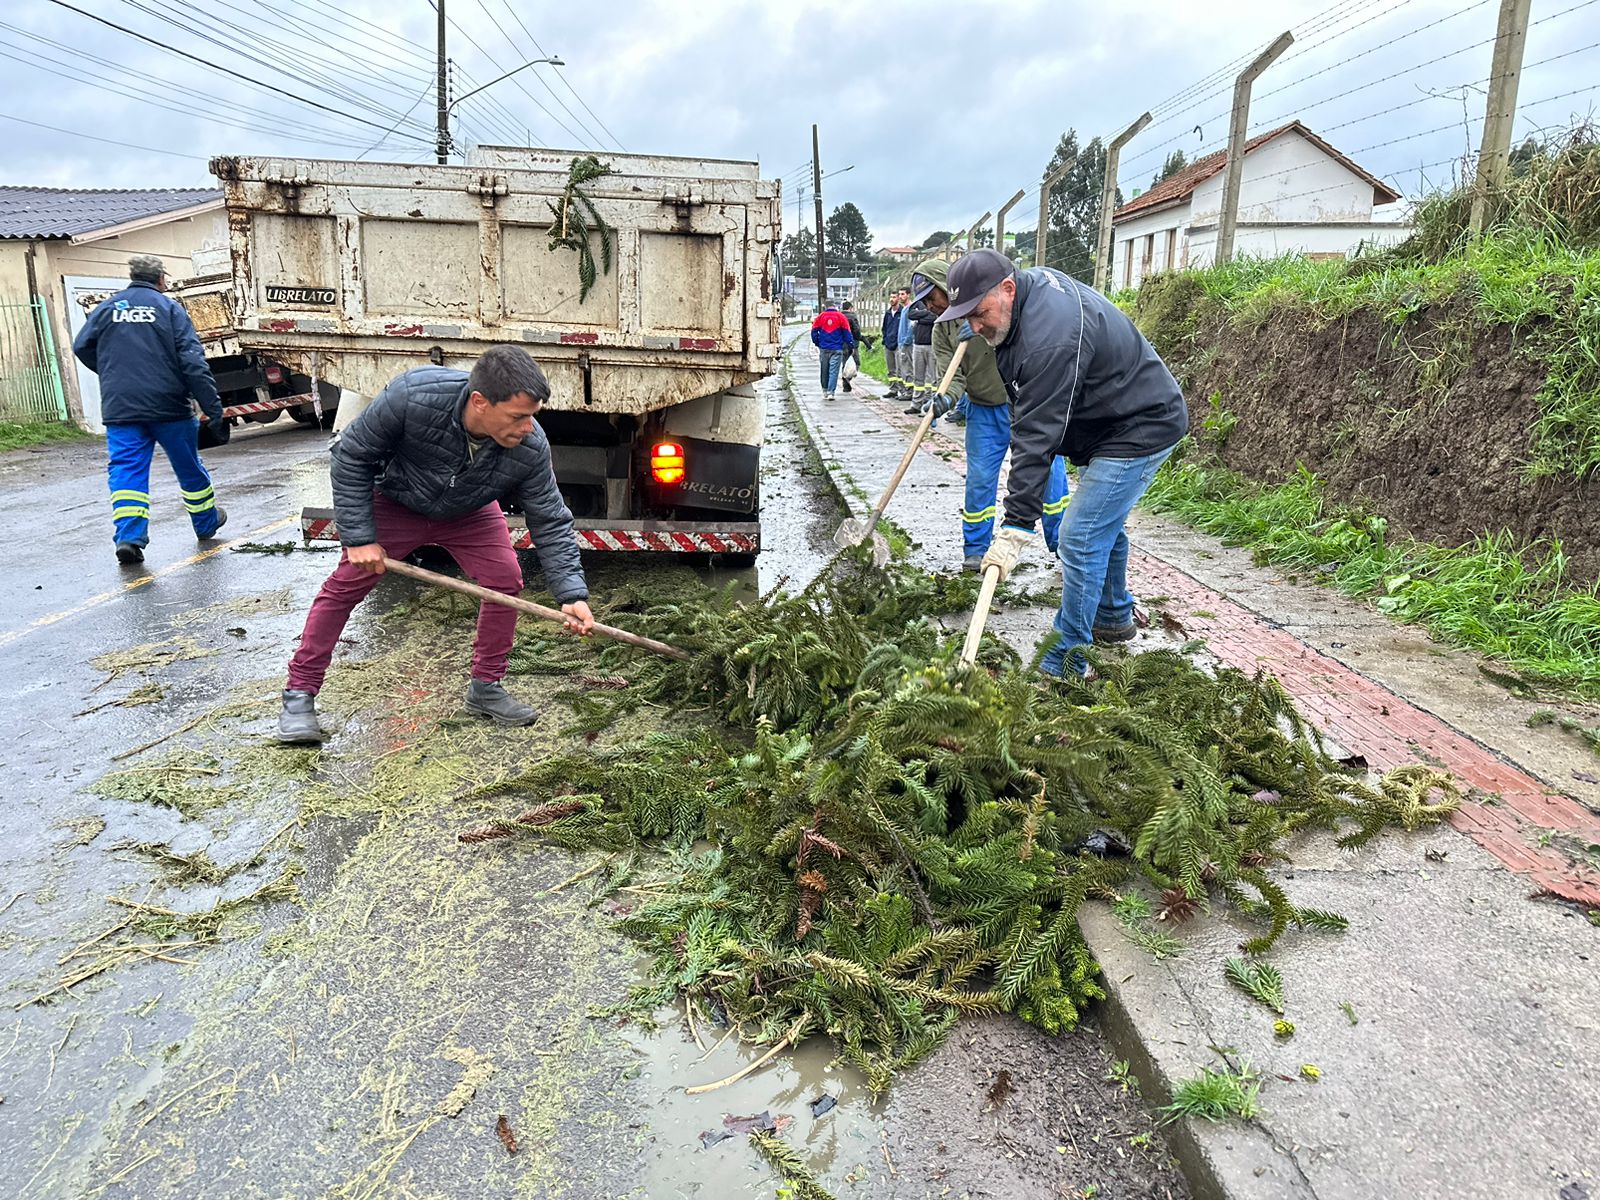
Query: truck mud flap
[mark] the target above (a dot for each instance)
(671, 537)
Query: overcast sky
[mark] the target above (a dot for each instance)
(939, 111)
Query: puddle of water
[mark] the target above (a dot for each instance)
(678, 1165)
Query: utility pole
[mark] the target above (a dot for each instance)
(1000, 221)
(1228, 218)
(1041, 235)
(441, 143)
(1501, 111)
(1108, 201)
(816, 186)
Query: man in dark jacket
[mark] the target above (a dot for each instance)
(1084, 383)
(143, 347)
(891, 340)
(849, 311)
(426, 465)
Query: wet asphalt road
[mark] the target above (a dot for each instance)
(319, 1050)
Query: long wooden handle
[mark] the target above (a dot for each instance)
(527, 606)
(922, 432)
(980, 614)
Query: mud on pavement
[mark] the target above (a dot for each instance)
(365, 1007)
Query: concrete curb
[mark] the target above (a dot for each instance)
(1150, 1022)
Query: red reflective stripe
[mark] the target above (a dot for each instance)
(596, 542)
(655, 541)
(523, 541)
(623, 540)
(714, 542)
(685, 542)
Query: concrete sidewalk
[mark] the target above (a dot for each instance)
(1454, 1023)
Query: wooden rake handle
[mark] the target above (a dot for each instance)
(980, 614)
(911, 450)
(527, 606)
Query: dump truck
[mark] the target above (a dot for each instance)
(344, 274)
(253, 387)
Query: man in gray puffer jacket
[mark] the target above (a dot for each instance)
(426, 465)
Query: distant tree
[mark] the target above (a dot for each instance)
(1176, 161)
(800, 253)
(1523, 156)
(849, 241)
(984, 237)
(1075, 206)
(935, 239)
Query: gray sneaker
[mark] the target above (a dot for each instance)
(297, 723)
(972, 564)
(500, 706)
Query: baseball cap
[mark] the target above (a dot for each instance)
(971, 278)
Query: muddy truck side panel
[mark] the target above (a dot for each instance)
(348, 273)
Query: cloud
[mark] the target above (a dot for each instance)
(940, 111)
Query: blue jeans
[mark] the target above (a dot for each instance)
(988, 437)
(1094, 554)
(832, 364)
(131, 447)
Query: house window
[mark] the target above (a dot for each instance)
(1170, 261)
(1127, 263)
(1149, 255)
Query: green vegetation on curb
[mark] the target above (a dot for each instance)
(1484, 597)
(1215, 1095)
(20, 435)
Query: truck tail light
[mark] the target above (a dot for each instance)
(666, 462)
(274, 374)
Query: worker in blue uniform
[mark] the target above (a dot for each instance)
(143, 346)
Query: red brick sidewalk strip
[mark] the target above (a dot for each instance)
(1509, 813)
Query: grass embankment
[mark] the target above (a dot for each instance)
(1484, 597)
(1537, 271)
(15, 435)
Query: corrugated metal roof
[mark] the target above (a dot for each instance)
(1183, 184)
(34, 212)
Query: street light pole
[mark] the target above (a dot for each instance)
(442, 143)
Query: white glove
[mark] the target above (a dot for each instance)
(1004, 551)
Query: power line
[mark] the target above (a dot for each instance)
(456, 25)
(589, 135)
(229, 41)
(95, 138)
(144, 77)
(214, 67)
(564, 81)
(36, 59)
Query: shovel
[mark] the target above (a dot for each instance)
(980, 614)
(853, 531)
(527, 606)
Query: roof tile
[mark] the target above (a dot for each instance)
(38, 212)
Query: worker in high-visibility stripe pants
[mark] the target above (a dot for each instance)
(142, 345)
(130, 448)
(977, 378)
(988, 438)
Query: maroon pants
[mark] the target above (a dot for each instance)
(479, 542)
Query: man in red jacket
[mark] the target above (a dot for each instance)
(831, 335)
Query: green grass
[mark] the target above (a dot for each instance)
(1215, 1096)
(872, 363)
(18, 435)
(1509, 603)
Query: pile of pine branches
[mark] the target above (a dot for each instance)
(887, 842)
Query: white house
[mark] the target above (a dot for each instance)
(1298, 194)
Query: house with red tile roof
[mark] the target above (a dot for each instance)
(1298, 195)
